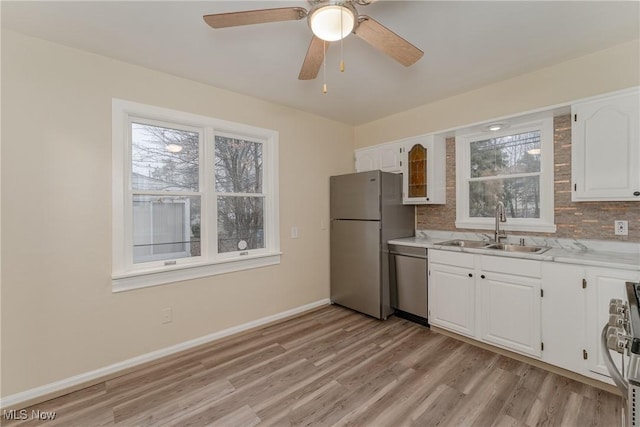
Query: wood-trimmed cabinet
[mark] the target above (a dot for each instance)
(605, 148)
(424, 169)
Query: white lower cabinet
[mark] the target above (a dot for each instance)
(549, 310)
(603, 284)
(486, 298)
(452, 298)
(564, 316)
(575, 308)
(510, 312)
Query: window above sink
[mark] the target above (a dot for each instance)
(512, 164)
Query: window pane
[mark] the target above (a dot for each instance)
(238, 166)
(505, 155)
(163, 158)
(521, 197)
(165, 227)
(240, 223)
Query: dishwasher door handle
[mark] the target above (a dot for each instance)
(407, 254)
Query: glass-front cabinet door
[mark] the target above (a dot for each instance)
(423, 170)
(417, 171)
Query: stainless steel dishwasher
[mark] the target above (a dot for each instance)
(408, 281)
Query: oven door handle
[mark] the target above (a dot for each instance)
(608, 361)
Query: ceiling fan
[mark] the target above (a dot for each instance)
(329, 21)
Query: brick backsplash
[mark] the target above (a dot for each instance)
(583, 220)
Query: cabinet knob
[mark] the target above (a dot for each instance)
(636, 193)
(482, 276)
(470, 275)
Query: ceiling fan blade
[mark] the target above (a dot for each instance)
(313, 60)
(250, 17)
(385, 40)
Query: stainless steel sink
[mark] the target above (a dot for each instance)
(483, 244)
(516, 248)
(460, 243)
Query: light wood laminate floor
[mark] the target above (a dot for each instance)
(335, 367)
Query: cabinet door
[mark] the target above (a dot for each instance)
(602, 286)
(391, 158)
(510, 312)
(564, 320)
(424, 170)
(605, 148)
(417, 178)
(452, 298)
(367, 160)
(387, 158)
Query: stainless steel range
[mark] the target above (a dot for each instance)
(622, 334)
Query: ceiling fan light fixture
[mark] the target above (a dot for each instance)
(332, 22)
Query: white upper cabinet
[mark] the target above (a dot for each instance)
(367, 159)
(605, 148)
(390, 158)
(423, 170)
(386, 157)
(421, 160)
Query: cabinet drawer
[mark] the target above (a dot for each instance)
(515, 266)
(451, 258)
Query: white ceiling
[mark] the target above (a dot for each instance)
(467, 45)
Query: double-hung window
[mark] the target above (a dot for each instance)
(515, 167)
(193, 196)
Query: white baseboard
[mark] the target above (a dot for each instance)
(87, 377)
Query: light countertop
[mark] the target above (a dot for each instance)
(591, 253)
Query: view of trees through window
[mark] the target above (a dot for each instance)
(238, 170)
(167, 199)
(506, 169)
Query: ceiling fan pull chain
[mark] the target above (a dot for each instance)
(324, 66)
(341, 43)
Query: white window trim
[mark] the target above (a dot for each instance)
(127, 276)
(542, 122)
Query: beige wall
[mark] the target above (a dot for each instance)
(605, 71)
(59, 317)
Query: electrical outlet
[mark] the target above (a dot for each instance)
(621, 227)
(166, 315)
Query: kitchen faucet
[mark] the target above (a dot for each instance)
(500, 217)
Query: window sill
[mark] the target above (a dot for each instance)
(144, 279)
(542, 227)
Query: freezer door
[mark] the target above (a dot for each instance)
(356, 196)
(355, 266)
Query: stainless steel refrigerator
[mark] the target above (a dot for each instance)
(366, 211)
